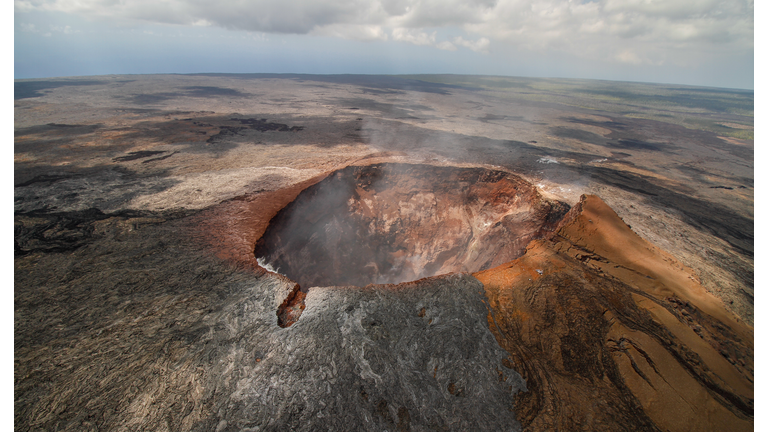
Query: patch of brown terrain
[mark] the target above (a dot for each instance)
(736, 141)
(612, 333)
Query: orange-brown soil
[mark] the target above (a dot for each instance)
(611, 333)
(233, 227)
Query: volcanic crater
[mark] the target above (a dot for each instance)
(139, 303)
(390, 223)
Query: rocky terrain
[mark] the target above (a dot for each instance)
(457, 253)
(598, 317)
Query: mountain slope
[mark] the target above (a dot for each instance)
(612, 333)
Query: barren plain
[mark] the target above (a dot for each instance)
(306, 252)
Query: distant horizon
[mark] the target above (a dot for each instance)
(399, 75)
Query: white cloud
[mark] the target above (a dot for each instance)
(23, 6)
(201, 23)
(629, 56)
(353, 31)
(417, 37)
(65, 29)
(625, 31)
(413, 36)
(447, 46)
(480, 45)
(29, 28)
(442, 13)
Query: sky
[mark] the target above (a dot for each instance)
(696, 42)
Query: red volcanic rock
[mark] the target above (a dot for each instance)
(291, 308)
(231, 228)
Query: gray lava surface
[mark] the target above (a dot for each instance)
(136, 330)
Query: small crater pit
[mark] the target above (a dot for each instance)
(391, 223)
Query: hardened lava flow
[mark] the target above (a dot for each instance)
(391, 223)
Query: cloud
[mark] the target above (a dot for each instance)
(442, 13)
(480, 45)
(629, 56)
(32, 28)
(417, 37)
(654, 30)
(64, 29)
(353, 31)
(29, 28)
(447, 46)
(413, 36)
(271, 16)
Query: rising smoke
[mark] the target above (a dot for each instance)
(390, 223)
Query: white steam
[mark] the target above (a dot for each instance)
(267, 266)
